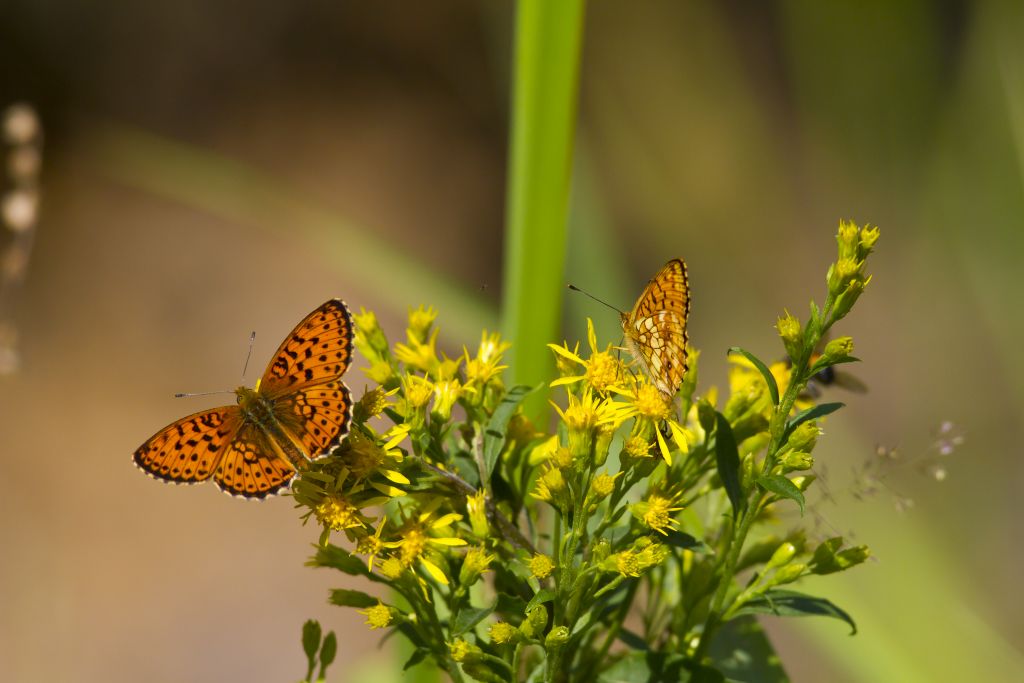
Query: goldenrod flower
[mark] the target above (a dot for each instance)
(485, 366)
(372, 404)
(601, 371)
(637, 447)
(420, 320)
(551, 487)
(421, 355)
(392, 568)
(603, 484)
(415, 541)
(337, 514)
(656, 512)
(460, 649)
(585, 413)
(476, 508)
(378, 616)
(476, 562)
(446, 393)
(371, 546)
(502, 632)
(541, 566)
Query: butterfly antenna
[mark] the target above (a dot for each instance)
(203, 393)
(603, 303)
(252, 340)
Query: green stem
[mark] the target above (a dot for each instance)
(545, 86)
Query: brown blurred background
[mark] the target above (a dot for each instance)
(215, 168)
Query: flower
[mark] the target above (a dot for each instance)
(656, 512)
(586, 415)
(421, 355)
(603, 484)
(372, 404)
(416, 540)
(420, 320)
(601, 371)
(337, 514)
(371, 546)
(541, 566)
(475, 563)
(502, 632)
(485, 365)
(476, 508)
(377, 616)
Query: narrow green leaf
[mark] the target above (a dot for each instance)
(352, 598)
(469, 617)
(338, 558)
(781, 487)
(812, 413)
(327, 652)
(311, 640)
(787, 603)
(543, 595)
(823, 362)
(769, 379)
(418, 655)
(684, 541)
(497, 426)
(727, 458)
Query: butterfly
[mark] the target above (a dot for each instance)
(300, 410)
(655, 330)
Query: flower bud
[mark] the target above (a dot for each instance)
(503, 632)
(847, 239)
(536, 620)
(477, 508)
(791, 334)
(541, 566)
(557, 638)
(805, 437)
(788, 574)
(420, 320)
(475, 563)
(797, 461)
(849, 297)
(838, 349)
(782, 556)
(868, 237)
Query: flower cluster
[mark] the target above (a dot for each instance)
(516, 553)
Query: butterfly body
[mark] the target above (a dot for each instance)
(655, 330)
(300, 410)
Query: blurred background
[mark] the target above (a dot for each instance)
(215, 168)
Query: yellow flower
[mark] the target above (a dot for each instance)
(601, 371)
(337, 514)
(420, 320)
(502, 632)
(550, 487)
(485, 366)
(378, 616)
(392, 568)
(603, 484)
(446, 393)
(460, 649)
(626, 563)
(541, 566)
(372, 404)
(656, 512)
(476, 508)
(416, 540)
(650, 402)
(421, 355)
(476, 562)
(637, 447)
(371, 546)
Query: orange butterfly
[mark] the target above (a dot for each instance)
(299, 411)
(655, 330)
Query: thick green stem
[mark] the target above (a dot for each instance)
(545, 83)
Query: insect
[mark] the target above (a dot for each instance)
(655, 330)
(299, 410)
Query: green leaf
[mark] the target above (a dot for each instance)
(497, 426)
(769, 379)
(782, 487)
(352, 598)
(727, 458)
(327, 652)
(310, 643)
(812, 413)
(825, 362)
(829, 559)
(469, 617)
(684, 541)
(338, 558)
(787, 603)
(418, 655)
(658, 667)
(543, 595)
(742, 651)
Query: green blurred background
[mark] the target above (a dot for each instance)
(215, 168)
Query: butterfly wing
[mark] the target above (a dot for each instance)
(656, 328)
(189, 451)
(253, 466)
(318, 350)
(319, 415)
